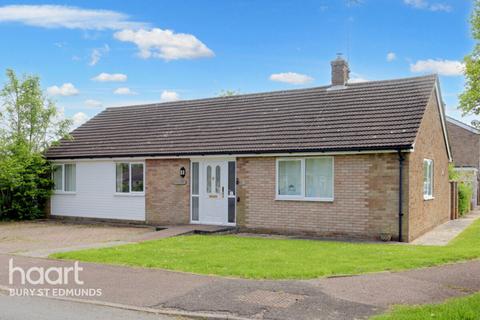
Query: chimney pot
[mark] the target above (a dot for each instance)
(340, 71)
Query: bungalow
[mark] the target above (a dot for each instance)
(343, 160)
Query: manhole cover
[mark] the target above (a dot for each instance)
(271, 298)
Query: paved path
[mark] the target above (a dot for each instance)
(444, 233)
(354, 297)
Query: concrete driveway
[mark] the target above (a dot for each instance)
(41, 238)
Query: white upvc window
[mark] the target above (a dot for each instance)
(428, 179)
(309, 179)
(130, 177)
(64, 177)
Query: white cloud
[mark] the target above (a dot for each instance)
(90, 103)
(440, 7)
(165, 44)
(357, 78)
(97, 54)
(391, 56)
(442, 67)
(426, 5)
(291, 77)
(110, 77)
(124, 91)
(416, 3)
(66, 89)
(95, 57)
(169, 96)
(352, 3)
(61, 44)
(58, 16)
(78, 119)
(151, 42)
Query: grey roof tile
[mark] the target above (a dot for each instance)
(364, 116)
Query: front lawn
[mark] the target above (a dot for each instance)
(263, 258)
(466, 308)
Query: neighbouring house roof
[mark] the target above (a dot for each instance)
(462, 125)
(375, 115)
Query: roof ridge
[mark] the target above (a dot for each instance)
(403, 79)
(275, 92)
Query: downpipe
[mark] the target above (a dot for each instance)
(401, 158)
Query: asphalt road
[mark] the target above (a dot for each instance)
(23, 308)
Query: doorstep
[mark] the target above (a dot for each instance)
(177, 230)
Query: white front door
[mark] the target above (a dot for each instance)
(210, 195)
(214, 207)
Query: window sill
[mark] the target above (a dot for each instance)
(304, 199)
(129, 194)
(427, 198)
(65, 192)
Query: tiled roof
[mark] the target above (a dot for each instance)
(374, 115)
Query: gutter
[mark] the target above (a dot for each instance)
(283, 152)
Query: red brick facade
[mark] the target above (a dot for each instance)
(365, 199)
(167, 195)
(366, 192)
(429, 144)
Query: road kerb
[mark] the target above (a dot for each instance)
(164, 311)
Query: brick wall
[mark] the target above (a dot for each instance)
(365, 192)
(383, 194)
(365, 204)
(167, 196)
(429, 144)
(465, 146)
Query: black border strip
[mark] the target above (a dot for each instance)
(230, 153)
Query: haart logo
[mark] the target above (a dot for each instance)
(42, 276)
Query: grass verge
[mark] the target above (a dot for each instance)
(264, 258)
(466, 308)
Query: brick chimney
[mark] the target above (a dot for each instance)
(340, 71)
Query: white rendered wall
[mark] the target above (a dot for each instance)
(95, 196)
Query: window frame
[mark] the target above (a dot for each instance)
(63, 191)
(303, 179)
(431, 175)
(130, 192)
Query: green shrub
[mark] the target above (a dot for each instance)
(465, 192)
(25, 186)
(452, 172)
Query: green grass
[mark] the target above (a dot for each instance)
(466, 308)
(263, 258)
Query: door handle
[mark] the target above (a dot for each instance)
(223, 191)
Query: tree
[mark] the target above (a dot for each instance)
(228, 93)
(470, 98)
(29, 123)
(475, 123)
(29, 118)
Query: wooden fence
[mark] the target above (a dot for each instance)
(454, 200)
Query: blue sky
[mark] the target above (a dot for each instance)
(95, 54)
